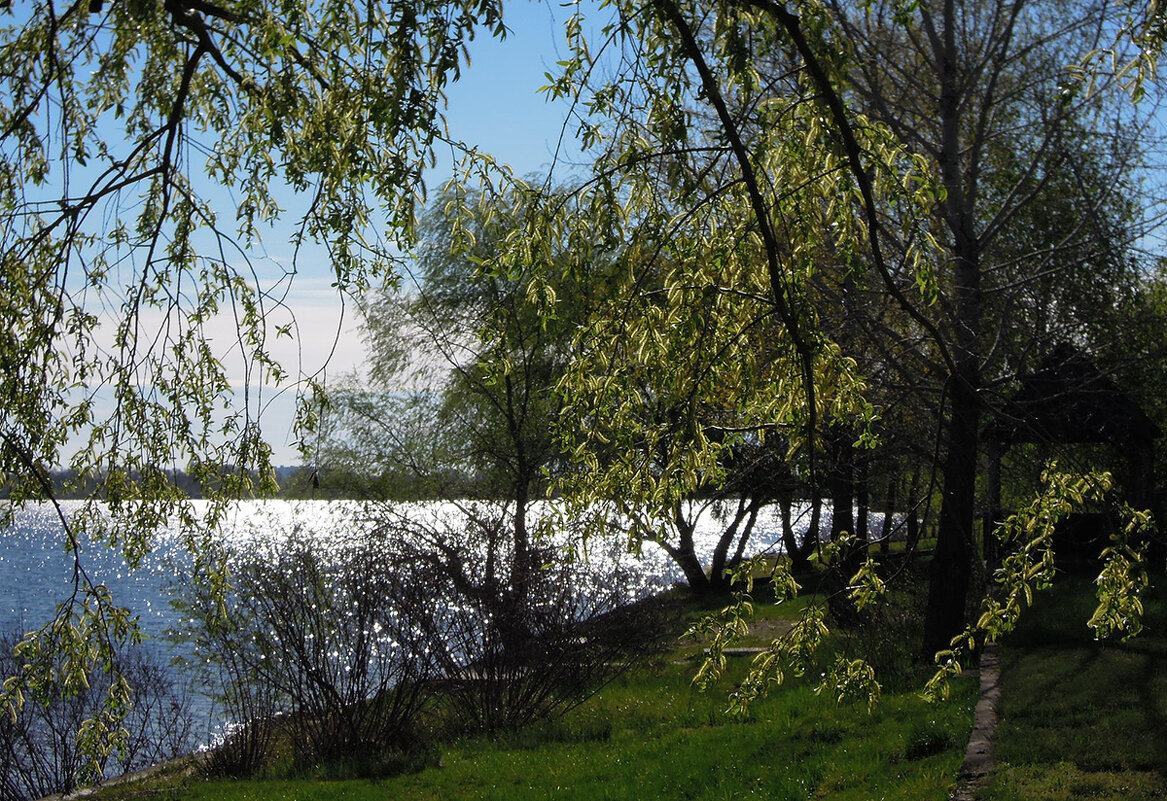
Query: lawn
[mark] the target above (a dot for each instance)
(1081, 719)
(650, 734)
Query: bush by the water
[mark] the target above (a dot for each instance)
(347, 658)
(39, 752)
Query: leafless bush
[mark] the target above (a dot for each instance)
(335, 644)
(225, 657)
(525, 633)
(39, 754)
(329, 639)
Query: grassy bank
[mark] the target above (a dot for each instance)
(1082, 719)
(1079, 719)
(651, 735)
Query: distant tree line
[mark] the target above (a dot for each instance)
(302, 482)
(68, 484)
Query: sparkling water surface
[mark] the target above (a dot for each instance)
(36, 571)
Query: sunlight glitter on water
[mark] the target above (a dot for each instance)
(36, 571)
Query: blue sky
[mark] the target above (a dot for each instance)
(496, 106)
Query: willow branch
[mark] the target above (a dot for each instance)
(854, 153)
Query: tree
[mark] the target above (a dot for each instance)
(755, 184)
(737, 196)
(145, 147)
(729, 188)
(464, 362)
(460, 392)
(1036, 170)
(678, 400)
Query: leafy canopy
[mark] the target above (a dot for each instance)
(144, 146)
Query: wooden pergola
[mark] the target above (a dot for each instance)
(1070, 401)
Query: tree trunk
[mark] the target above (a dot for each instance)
(685, 556)
(695, 575)
(913, 507)
(951, 564)
(799, 552)
(813, 537)
(743, 529)
(889, 510)
(842, 485)
(862, 499)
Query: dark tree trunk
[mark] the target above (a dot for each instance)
(813, 535)
(685, 556)
(842, 485)
(889, 510)
(740, 531)
(862, 499)
(695, 575)
(913, 507)
(799, 552)
(951, 566)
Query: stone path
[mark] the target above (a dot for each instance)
(978, 757)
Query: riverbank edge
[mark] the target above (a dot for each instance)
(179, 767)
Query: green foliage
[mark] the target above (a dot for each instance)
(796, 651)
(1028, 567)
(734, 199)
(144, 146)
(1121, 583)
(464, 359)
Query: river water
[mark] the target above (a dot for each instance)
(36, 571)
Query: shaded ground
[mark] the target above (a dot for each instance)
(1081, 718)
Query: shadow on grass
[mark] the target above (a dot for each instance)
(1082, 718)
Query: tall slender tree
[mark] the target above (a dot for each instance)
(1037, 166)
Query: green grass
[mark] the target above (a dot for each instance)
(666, 741)
(1081, 719)
(651, 735)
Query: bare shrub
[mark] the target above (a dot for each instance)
(225, 659)
(526, 634)
(39, 752)
(334, 645)
(322, 646)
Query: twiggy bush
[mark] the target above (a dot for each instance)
(227, 660)
(330, 647)
(322, 648)
(524, 632)
(39, 753)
